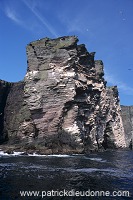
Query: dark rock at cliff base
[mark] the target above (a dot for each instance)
(63, 104)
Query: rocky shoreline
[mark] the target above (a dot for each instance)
(14, 150)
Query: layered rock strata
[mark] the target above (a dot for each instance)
(63, 104)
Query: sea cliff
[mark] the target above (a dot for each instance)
(63, 104)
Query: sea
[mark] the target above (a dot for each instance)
(102, 175)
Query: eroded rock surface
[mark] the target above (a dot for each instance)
(63, 105)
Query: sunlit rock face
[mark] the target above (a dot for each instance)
(63, 105)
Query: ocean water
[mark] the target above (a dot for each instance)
(104, 175)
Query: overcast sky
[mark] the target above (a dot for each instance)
(105, 26)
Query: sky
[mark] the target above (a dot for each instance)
(104, 26)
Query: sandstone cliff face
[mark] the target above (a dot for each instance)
(127, 118)
(63, 105)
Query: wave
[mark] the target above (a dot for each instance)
(16, 153)
(2, 153)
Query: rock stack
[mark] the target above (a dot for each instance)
(63, 104)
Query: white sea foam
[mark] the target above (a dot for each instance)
(35, 154)
(98, 159)
(52, 155)
(3, 154)
(16, 153)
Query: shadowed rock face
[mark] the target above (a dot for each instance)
(16, 113)
(4, 91)
(63, 105)
(127, 117)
